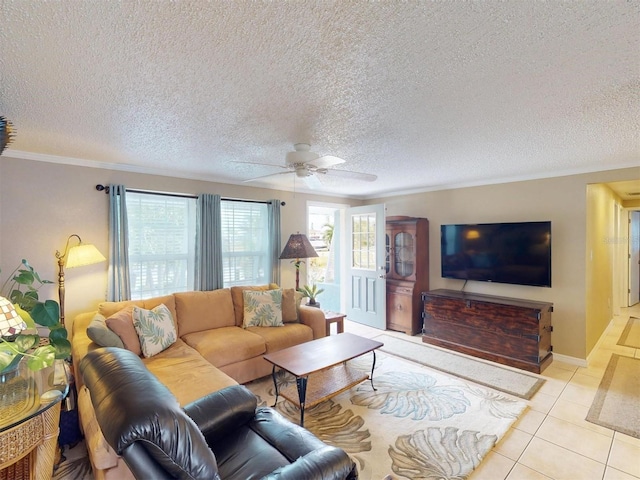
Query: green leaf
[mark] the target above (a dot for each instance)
(62, 348)
(9, 360)
(5, 360)
(24, 277)
(25, 316)
(58, 333)
(25, 342)
(46, 314)
(42, 357)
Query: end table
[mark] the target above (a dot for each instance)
(334, 317)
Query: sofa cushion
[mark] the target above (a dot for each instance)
(186, 373)
(109, 308)
(238, 299)
(262, 308)
(198, 311)
(101, 334)
(121, 323)
(287, 336)
(226, 345)
(290, 304)
(155, 328)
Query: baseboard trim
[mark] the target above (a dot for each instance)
(580, 362)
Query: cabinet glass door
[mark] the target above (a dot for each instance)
(403, 254)
(387, 250)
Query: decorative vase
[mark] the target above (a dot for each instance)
(314, 304)
(16, 393)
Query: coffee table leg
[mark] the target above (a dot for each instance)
(301, 383)
(275, 384)
(372, 369)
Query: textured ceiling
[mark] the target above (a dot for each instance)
(423, 94)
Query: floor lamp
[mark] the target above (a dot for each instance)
(76, 256)
(298, 246)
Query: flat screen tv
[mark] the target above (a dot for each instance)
(516, 253)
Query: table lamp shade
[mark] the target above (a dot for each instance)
(10, 322)
(298, 246)
(83, 254)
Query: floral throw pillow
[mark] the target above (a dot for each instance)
(262, 308)
(155, 329)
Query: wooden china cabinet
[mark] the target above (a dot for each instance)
(407, 266)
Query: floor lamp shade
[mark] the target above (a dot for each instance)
(83, 254)
(75, 256)
(298, 246)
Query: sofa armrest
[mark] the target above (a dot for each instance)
(222, 412)
(326, 463)
(314, 318)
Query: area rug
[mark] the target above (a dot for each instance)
(520, 384)
(75, 464)
(631, 334)
(617, 402)
(419, 424)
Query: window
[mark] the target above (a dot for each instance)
(363, 242)
(162, 232)
(245, 243)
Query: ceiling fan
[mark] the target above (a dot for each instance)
(309, 166)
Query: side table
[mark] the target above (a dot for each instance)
(29, 422)
(334, 317)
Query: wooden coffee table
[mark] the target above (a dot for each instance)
(320, 367)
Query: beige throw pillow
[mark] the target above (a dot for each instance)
(122, 324)
(290, 304)
(155, 329)
(262, 309)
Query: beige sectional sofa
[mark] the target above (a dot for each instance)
(212, 351)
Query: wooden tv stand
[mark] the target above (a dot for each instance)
(510, 331)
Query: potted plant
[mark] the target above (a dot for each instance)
(21, 288)
(311, 292)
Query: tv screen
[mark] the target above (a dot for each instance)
(516, 253)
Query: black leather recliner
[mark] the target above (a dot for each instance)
(223, 435)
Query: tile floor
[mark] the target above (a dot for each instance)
(552, 440)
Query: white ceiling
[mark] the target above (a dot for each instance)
(424, 94)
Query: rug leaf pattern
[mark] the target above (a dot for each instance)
(437, 453)
(418, 423)
(414, 394)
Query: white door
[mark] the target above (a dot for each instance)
(366, 284)
(634, 257)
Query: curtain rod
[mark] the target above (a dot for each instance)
(101, 188)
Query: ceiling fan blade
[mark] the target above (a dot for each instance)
(262, 164)
(312, 181)
(326, 161)
(367, 177)
(266, 176)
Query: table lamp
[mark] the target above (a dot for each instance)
(11, 323)
(298, 246)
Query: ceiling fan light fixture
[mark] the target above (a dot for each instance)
(302, 170)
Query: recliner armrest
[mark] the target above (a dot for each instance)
(326, 463)
(221, 412)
